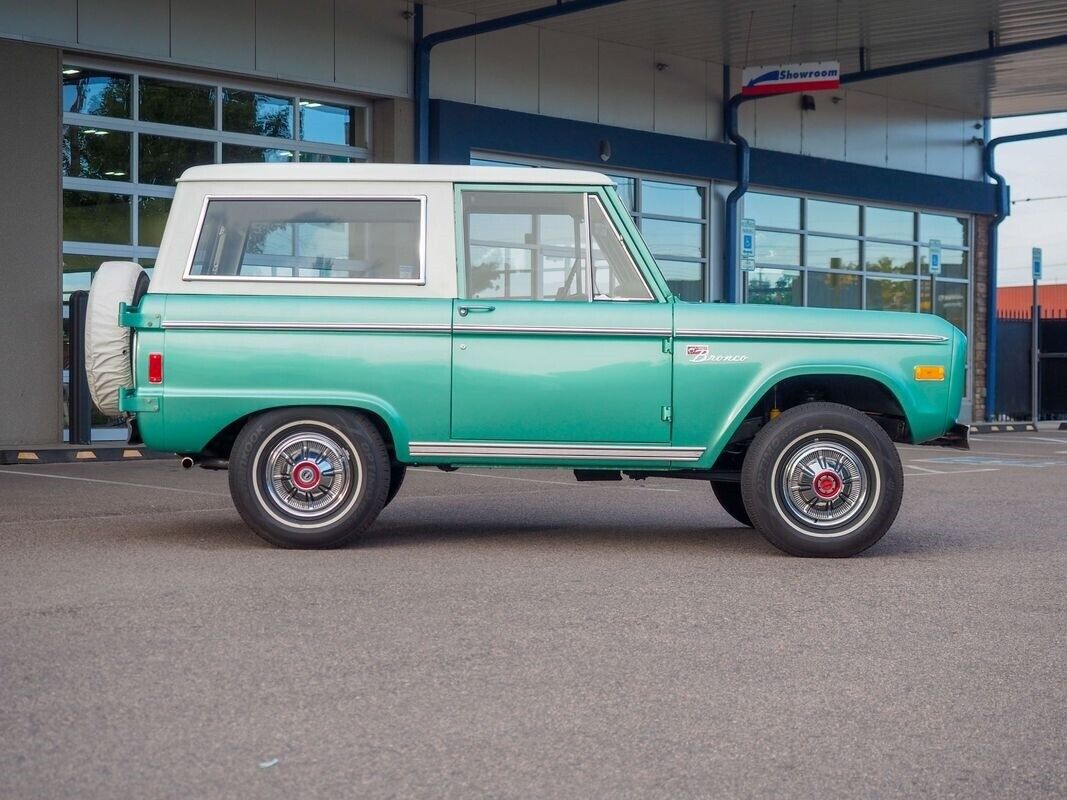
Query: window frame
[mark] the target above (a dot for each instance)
(609, 201)
(187, 274)
(633, 218)
(917, 246)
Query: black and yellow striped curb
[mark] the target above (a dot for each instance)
(1003, 427)
(67, 455)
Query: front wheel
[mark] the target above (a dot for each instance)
(309, 477)
(822, 480)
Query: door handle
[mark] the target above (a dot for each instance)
(465, 310)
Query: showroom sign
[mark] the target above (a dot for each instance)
(783, 78)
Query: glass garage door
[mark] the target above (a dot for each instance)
(129, 133)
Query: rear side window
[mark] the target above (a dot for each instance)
(373, 240)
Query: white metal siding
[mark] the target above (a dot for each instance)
(866, 129)
(625, 82)
(453, 62)
(568, 76)
(680, 90)
(823, 130)
(140, 27)
(295, 41)
(365, 45)
(506, 71)
(372, 49)
(906, 139)
(228, 42)
(40, 20)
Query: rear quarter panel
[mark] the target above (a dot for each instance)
(213, 377)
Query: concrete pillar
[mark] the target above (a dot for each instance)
(394, 131)
(31, 389)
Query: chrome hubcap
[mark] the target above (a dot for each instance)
(824, 484)
(308, 475)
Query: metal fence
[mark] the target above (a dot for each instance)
(1013, 366)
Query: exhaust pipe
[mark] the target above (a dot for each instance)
(188, 462)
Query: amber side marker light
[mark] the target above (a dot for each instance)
(924, 373)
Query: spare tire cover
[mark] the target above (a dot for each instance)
(108, 362)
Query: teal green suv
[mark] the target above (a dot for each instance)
(317, 329)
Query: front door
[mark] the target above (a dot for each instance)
(545, 349)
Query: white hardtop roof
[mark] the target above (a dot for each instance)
(423, 173)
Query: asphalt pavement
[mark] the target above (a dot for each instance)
(515, 634)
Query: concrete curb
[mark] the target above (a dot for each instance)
(67, 455)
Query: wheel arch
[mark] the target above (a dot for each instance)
(867, 390)
(384, 419)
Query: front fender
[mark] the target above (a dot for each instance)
(708, 411)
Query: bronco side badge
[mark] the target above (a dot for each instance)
(701, 354)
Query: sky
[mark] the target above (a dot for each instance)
(1035, 169)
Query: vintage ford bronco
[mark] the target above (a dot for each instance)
(316, 329)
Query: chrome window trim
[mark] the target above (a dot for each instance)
(420, 281)
(549, 450)
(592, 198)
(924, 338)
(559, 330)
(366, 327)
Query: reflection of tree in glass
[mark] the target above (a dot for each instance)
(484, 275)
(175, 103)
(92, 155)
(102, 95)
(248, 112)
(782, 292)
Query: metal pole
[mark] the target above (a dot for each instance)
(79, 403)
(1034, 356)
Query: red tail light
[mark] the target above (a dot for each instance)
(155, 368)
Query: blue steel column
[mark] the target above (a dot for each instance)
(1002, 212)
(744, 169)
(421, 90)
(424, 44)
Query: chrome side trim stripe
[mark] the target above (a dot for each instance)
(577, 452)
(365, 327)
(555, 330)
(912, 338)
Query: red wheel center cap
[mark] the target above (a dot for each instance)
(827, 484)
(306, 476)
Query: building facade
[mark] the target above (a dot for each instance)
(112, 99)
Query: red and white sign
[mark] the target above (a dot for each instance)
(783, 78)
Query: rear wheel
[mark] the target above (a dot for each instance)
(822, 480)
(728, 493)
(309, 477)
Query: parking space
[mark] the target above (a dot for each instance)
(518, 634)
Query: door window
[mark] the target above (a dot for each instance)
(525, 245)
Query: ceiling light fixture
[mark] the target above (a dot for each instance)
(71, 71)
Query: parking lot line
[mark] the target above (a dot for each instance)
(954, 471)
(115, 483)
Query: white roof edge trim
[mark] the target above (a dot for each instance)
(423, 173)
